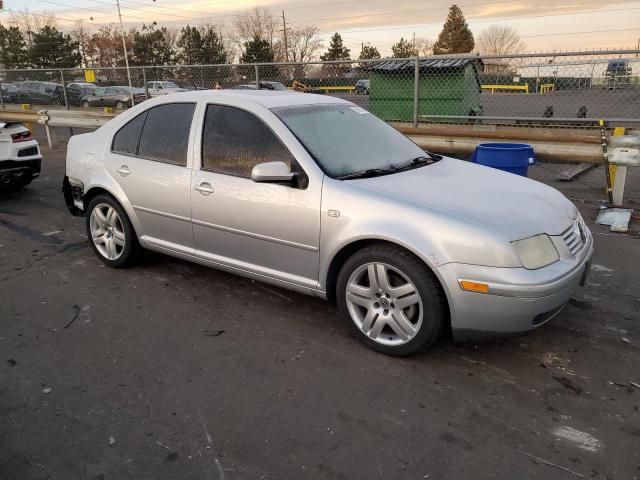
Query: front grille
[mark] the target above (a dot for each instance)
(28, 152)
(575, 237)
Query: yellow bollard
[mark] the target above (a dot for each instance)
(613, 169)
(26, 106)
(108, 110)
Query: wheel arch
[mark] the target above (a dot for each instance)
(347, 250)
(98, 189)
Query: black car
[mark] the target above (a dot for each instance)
(77, 91)
(38, 93)
(362, 87)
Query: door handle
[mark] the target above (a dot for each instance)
(123, 170)
(204, 188)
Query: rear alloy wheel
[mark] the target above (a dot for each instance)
(110, 232)
(393, 300)
(119, 105)
(86, 104)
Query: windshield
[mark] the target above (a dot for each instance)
(169, 85)
(345, 139)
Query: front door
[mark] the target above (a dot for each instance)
(266, 228)
(148, 159)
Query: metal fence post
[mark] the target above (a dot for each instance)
(416, 80)
(64, 90)
(257, 77)
(144, 81)
(1, 99)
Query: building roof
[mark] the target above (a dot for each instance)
(425, 65)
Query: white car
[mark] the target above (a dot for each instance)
(163, 88)
(20, 158)
(315, 194)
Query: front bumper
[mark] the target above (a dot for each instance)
(519, 299)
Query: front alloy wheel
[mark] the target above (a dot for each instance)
(384, 304)
(394, 302)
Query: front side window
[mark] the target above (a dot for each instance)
(165, 135)
(234, 141)
(345, 139)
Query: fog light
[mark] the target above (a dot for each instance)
(477, 287)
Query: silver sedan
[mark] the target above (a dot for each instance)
(314, 194)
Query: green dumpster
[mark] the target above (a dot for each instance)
(445, 87)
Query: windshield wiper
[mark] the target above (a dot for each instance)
(370, 172)
(419, 162)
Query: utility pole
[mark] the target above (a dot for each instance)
(284, 31)
(415, 52)
(126, 55)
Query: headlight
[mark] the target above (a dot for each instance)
(536, 252)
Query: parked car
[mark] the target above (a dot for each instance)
(9, 90)
(362, 87)
(38, 93)
(20, 159)
(163, 88)
(263, 86)
(118, 97)
(408, 243)
(76, 92)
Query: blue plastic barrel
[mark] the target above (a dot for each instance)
(509, 157)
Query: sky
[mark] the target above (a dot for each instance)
(544, 25)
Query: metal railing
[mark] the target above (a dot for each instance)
(560, 89)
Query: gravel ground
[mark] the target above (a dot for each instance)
(171, 370)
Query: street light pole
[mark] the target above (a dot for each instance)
(126, 55)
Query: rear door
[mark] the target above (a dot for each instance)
(149, 160)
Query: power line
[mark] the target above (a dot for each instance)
(140, 9)
(87, 9)
(421, 25)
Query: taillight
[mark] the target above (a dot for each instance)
(21, 137)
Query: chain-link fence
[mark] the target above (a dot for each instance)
(568, 89)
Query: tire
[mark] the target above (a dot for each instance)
(86, 104)
(118, 246)
(119, 105)
(401, 315)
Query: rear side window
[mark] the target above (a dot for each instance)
(127, 138)
(165, 135)
(234, 141)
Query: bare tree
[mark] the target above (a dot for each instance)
(29, 23)
(500, 40)
(424, 47)
(303, 43)
(256, 22)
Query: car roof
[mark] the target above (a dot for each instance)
(266, 98)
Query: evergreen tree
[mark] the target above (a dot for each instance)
(336, 51)
(213, 51)
(13, 49)
(403, 49)
(52, 48)
(455, 36)
(257, 50)
(151, 46)
(369, 52)
(190, 46)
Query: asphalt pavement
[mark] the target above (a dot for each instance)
(171, 370)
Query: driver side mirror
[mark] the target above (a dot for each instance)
(271, 172)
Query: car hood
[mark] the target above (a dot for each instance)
(510, 205)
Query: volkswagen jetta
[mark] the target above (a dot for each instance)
(315, 194)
